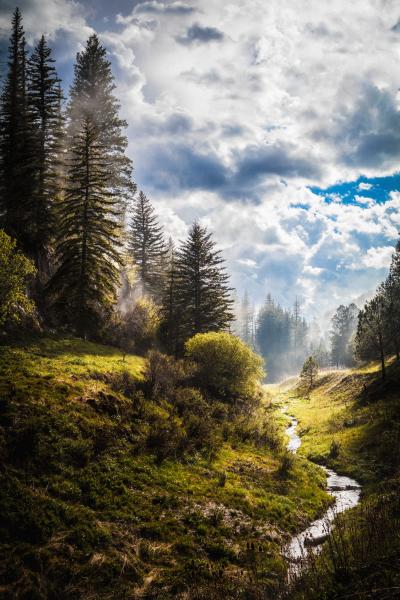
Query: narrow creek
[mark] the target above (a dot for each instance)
(346, 492)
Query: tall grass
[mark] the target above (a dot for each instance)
(360, 558)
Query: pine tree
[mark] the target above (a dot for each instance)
(391, 289)
(309, 373)
(44, 100)
(147, 246)
(98, 184)
(246, 319)
(17, 176)
(372, 337)
(343, 326)
(170, 317)
(202, 292)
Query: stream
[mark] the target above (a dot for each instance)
(346, 492)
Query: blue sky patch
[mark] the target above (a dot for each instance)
(377, 188)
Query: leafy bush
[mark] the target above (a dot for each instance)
(167, 437)
(136, 329)
(163, 373)
(227, 367)
(286, 464)
(15, 269)
(334, 449)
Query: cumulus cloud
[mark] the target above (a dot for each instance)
(257, 103)
(375, 258)
(201, 35)
(168, 8)
(177, 167)
(50, 18)
(255, 162)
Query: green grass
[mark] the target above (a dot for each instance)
(86, 509)
(351, 409)
(351, 422)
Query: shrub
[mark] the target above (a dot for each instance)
(334, 449)
(227, 367)
(167, 437)
(136, 329)
(197, 414)
(15, 269)
(286, 464)
(163, 373)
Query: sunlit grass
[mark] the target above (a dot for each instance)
(344, 409)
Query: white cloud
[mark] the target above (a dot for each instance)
(233, 132)
(48, 17)
(375, 258)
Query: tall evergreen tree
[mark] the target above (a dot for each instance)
(147, 246)
(391, 289)
(202, 291)
(16, 144)
(44, 101)
(343, 327)
(170, 318)
(372, 337)
(246, 319)
(98, 184)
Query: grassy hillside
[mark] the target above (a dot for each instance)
(89, 510)
(351, 422)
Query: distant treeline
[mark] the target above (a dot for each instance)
(280, 335)
(285, 339)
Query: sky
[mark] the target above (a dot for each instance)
(275, 124)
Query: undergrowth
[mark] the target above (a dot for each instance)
(108, 492)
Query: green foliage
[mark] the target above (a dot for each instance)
(44, 99)
(170, 312)
(344, 323)
(281, 337)
(309, 373)
(286, 465)
(334, 449)
(17, 150)
(226, 366)
(91, 212)
(91, 491)
(163, 373)
(15, 269)
(147, 246)
(378, 330)
(371, 338)
(202, 295)
(134, 330)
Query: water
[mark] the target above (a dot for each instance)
(346, 492)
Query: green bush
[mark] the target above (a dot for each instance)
(334, 449)
(163, 373)
(227, 367)
(15, 269)
(167, 437)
